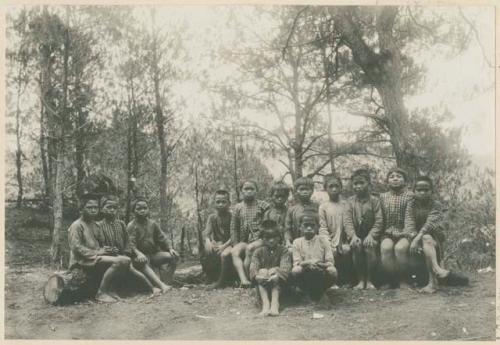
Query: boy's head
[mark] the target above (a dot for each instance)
(423, 188)
(333, 186)
(221, 199)
(304, 188)
(309, 223)
(270, 233)
(89, 207)
(360, 181)
(109, 206)
(396, 178)
(279, 193)
(140, 207)
(248, 190)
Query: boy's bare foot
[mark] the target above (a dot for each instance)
(165, 288)
(104, 298)
(245, 284)
(360, 286)
(264, 312)
(156, 291)
(273, 312)
(370, 286)
(214, 286)
(114, 295)
(428, 289)
(404, 285)
(333, 287)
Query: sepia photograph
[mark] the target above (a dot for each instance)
(249, 172)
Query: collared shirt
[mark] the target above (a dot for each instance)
(246, 219)
(363, 217)
(396, 211)
(264, 257)
(218, 227)
(82, 243)
(292, 220)
(147, 237)
(317, 248)
(113, 234)
(331, 216)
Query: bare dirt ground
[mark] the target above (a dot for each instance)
(231, 314)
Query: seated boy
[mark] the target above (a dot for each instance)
(429, 222)
(217, 235)
(112, 236)
(277, 212)
(399, 228)
(149, 244)
(87, 253)
(245, 223)
(313, 268)
(331, 215)
(269, 268)
(304, 188)
(363, 223)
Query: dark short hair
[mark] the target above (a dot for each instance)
(280, 186)
(137, 200)
(222, 192)
(423, 178)
(364, 173)
(106, 198)
(249, 181)
(82, 202)
(329, 177)
(269, 228)
(399, 171)
(303, 181)
(310, 212)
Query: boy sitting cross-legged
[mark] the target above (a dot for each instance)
(245, 227)
(430, 224)
(149, 244)
(270, 267)
(363, 222)
(304, 188)
(313, 268)
(217, 235)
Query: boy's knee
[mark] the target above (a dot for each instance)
(331, 271)
(123, 261)
(386, 246)
(427, 240)
(401, 248)
(296, 270)
(345, 249)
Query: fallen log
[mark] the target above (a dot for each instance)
(69, 287)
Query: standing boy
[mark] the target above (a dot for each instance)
(331, 226)
(112, 234)
(430, 224)
(217, 235)
(270, 267)
(245, 226)
(313, 264)
(399, 228)
(304, 188)
(149, 244)
(363, 221)
(277, 212)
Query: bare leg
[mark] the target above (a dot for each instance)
(151, 275)
(236, 253)
(225, 259)
(275, 301)
(401, 251)
(387, 258)
(117, 265)
(358, 259)
(433, 268)
(249, 252)
(371, 264)
(161, 258)
(264, 297)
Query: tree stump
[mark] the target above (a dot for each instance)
(68, 287)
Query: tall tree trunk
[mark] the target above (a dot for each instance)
(160, 127)
(79, 138)
(19, 152)
(199, 225)
(235, 168)
(59, 173)
(132, 154)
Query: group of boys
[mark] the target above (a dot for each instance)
(113, 250)
(309, 247)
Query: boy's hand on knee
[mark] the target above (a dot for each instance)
(369, 242)
(415, 246)
(355, 241)
(141, 258)
(174, 253)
